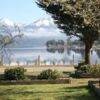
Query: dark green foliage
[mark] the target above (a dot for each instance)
(95, 70)
(79, 18)
(81, 63)
(85, 68)
(1, 77)
(14, 74)
(49, 74)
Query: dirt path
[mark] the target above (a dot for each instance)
(41, 68)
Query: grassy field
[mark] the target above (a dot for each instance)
(77, 90)
(63, 73)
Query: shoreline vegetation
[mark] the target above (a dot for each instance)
(76, 44)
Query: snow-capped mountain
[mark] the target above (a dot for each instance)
(39, 28)
(6, 22)
(44, 22)
(39, 23)
(36, 34)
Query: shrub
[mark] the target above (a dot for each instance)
(18, 62)
(27, 62)
(96, 62)
(36, 62)
(54, 63)
(49, 74)
(81, 63)
(95, 70)
(64, 61)
(85, 68)
(45, 62)
(9, 62)
(71, 61)
(14, 74)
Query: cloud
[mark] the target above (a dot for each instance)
(42, 32)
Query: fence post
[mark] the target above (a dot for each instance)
(73, 59)
(2, 60)
(38, 60)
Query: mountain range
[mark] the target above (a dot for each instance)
(37, 33)
(40, 28)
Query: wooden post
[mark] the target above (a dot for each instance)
(2, 60)
(73, 59)
(38, 60)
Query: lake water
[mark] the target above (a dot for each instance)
(27, 52)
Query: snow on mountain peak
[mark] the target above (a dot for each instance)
(45, 22)
(40, 28)
(7, 22)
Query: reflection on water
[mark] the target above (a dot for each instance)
(52, 53)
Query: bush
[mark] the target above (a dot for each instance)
(36, 62)
(49, 74)
(14, 74)
(63, 61)
(18, 62)
(45, 62)
(85, 68)
(95, 70)
(54, 63)
(81, 63)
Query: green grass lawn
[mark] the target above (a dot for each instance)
(77, 90)
(65, 73)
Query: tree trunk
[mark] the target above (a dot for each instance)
(88, 48)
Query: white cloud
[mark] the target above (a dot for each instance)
(42, 32)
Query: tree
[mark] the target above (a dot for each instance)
(80, 18)
(8, 37)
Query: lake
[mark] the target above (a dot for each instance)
(29, 50)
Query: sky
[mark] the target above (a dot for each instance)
(21, 11)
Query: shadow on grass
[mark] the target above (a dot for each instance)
(70, 74)
(79, 93)
(1, 77)
(31, 77)
(68, 93)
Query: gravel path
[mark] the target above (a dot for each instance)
(41, 68)
(57, 68)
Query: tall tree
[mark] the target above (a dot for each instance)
(80, 18)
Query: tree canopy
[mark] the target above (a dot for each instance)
(80, 18)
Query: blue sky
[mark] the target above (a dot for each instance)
(21, 11)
